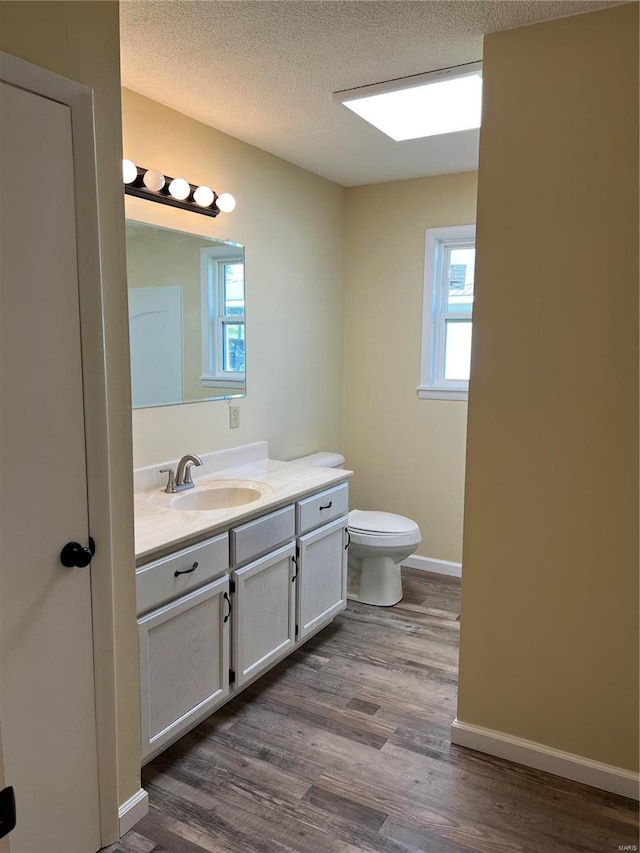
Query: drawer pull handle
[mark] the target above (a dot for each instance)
(328, 506)
(228, 600)
(185, 571)
(348, 539)
(295, 574)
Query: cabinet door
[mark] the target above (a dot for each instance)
(184, 664)
(322, 580)
(264, 624)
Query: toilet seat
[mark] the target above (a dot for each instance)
(384, 523)
(383, 529)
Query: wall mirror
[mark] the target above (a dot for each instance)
(186, 316)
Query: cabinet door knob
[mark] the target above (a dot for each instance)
(76, 555)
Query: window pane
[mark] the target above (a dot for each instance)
(233, 294)
(233, 347)
(457, 353)
(460, 277)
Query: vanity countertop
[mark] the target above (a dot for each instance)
(161, 529)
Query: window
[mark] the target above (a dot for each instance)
(446, 321)
(223, 342)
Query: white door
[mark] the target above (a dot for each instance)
(322, 580)
(47, 704)
(155, 330)
(4, 841)
(264, 616)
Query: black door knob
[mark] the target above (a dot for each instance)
(75, 554)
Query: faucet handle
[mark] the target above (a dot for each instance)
(171, 482)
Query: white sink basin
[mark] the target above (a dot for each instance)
(217, 497)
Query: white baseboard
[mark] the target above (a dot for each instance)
(532, 754)
(132, 811)
(439, 567)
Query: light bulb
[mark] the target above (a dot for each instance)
(129, 171)
(153, 180)
(203, 196)
(225, 202)
(179, 188)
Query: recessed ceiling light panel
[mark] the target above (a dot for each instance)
(423, 105)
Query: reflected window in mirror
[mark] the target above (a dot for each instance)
(223, 339)
(186, 316)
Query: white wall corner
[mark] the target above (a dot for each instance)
(546, 758)
(438, 567)
(133, 810)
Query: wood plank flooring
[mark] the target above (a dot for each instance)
(345, 747)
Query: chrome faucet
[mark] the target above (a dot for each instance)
(181, 479)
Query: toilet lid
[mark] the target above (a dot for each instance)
(380, 522)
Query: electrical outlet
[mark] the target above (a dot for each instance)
(234, 417)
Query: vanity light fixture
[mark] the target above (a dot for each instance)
(152, 179)
(226, 202)
(204, 196)
(179, 189)
(129, 171)
(177, 192)
(437, 102)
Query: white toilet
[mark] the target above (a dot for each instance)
(379, 542)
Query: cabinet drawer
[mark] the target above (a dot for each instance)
(172, 576)
(264, 534)
(322, 508)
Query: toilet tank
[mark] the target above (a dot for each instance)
(323, 459)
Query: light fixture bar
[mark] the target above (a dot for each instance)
(175, 192)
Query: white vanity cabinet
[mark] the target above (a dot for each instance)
(213, 617)
(183, 644)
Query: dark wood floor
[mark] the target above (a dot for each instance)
(345, 747)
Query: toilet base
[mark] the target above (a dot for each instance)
(375, 580)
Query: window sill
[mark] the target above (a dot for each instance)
(223, 381)
(433, 392)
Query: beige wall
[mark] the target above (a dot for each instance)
(408, 454)
(80, 40)
(292, 225)
(549, 645)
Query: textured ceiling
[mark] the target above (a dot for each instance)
(265, 71)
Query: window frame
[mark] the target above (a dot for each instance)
(212, 260)
(438, 244)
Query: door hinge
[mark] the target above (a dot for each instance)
(232, 676)
(232, 586)
(297, 630)
(7, 811)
